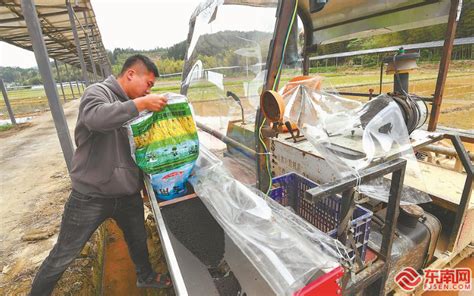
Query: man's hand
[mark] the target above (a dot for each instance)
(151, 102)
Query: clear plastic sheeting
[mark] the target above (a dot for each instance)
(224, 73)
(224, 69)
(352, 136)
(286, 250)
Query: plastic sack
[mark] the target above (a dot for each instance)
(351, 136)
(286, 250)
(165, 145)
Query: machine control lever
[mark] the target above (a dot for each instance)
(296, 138)
(237, 99)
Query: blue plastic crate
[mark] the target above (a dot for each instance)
(289, 190)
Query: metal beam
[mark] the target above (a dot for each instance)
(78, 88)
(466, 193)
(78, 45)
(284, 16)
(95, 43)
(37, 5)
(56, 34)
(229, 141)
(13, 27)
(57, 30)
(17, 39)
(102, 71)
(397, 168)
(69, 79)
(391, 218)
(7, 102)
(59, 78)
(89, 48)
(44, 67)
(47, 28)
(86, 37)
(58, 51)
(40, 15)
(444, 64)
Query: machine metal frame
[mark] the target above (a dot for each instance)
(375, 275)
(346, 186)
(378, 276)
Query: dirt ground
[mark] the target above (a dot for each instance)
(34, 186)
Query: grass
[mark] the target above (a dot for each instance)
(25, 101)
(459, 89)
(5, 127)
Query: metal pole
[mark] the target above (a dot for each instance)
(91, 57)
(104, 68)
(69, 79)
(102, 71)
(78, 88)
(95, 43)
(108, 70)
(444, 64)
(44, 67)
(60, 80)
(77, 41)
(229, 141)
(285, 11)
(466, 193)
(393, 209)
(7, 102)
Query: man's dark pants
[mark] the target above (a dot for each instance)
(82, 216)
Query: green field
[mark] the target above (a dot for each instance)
(27, 101)
(458, 102)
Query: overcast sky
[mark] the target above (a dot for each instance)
(139, 24)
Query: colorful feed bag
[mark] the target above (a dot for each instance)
(165, 145)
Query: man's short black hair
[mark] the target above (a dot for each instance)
(137, 58)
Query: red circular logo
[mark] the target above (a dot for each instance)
(408, 279)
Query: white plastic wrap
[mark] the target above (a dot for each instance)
(286, 250)
(352, 136)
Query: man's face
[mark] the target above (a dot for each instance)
(140, 82)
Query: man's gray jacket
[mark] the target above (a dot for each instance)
(102, 165)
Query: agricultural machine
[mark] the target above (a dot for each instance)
(247, 75)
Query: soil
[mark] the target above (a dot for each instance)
(34, 186)
(228, 285)
(196, 229)
(193, 225)
(119, 271)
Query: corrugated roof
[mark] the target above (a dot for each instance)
(57, 31)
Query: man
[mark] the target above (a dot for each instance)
(106, 183)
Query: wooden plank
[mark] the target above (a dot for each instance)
(176, 200)
(443, 184)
